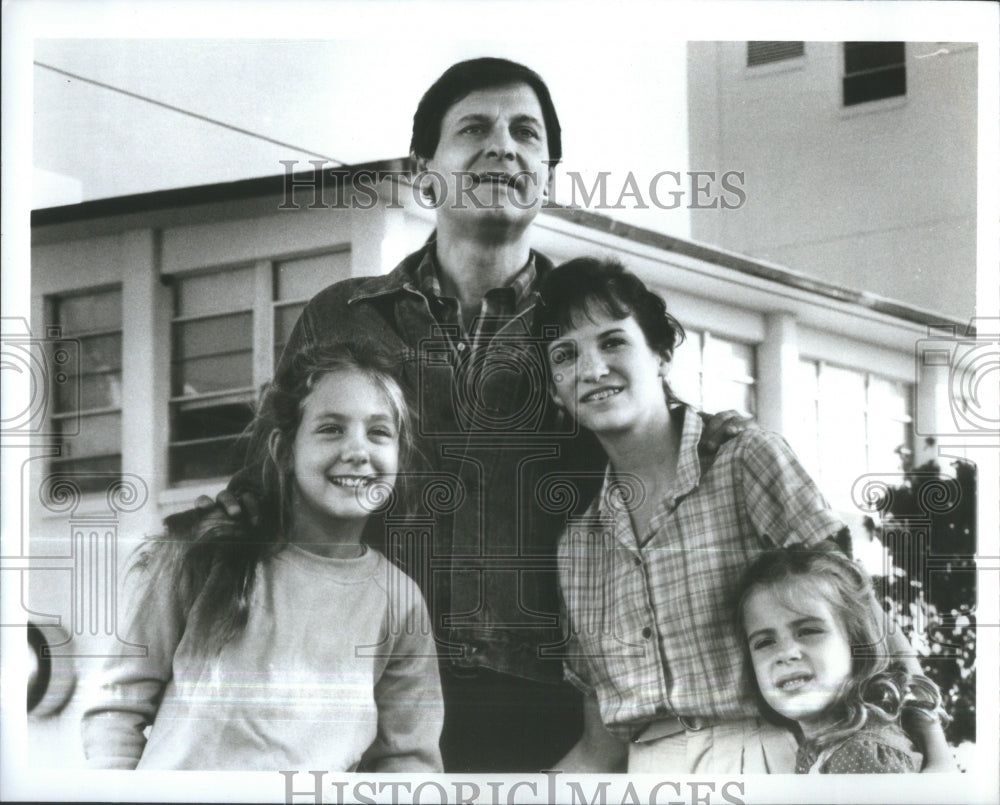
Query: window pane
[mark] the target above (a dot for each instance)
(216, 459)
(93, 473)
(727, 395)
(213, 373)
(843, 444)
(888, 398)
(91, 443)
(90, 312)
(885, 439)
(873, 70)
(304, 277)
(100, 353)
(727, 376)
(685, 370)
(804, 435)
(860, 56)
(874, 86)
(221, 334)
(99, 435)
(96, 391)
(215, 293)
(729, 359)
(842, 391)
(284, 321)
(209, 421)
(806, 380)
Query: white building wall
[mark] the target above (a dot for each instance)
(880, 196)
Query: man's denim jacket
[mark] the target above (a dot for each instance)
(502, 470)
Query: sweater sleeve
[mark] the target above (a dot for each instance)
(782, 500)
(408, 693)
(125, 697)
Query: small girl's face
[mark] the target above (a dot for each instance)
(801, 656)
(605, 373)
(348, 440)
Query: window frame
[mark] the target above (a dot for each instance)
(851, 76)
(703, 337)
(264, 310)
(62, 463)
(868, 410)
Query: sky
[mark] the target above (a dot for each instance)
(342, 79)
(349, 100)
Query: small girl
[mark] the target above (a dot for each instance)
(820, 659)
(291, 645)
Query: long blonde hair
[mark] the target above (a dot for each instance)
(211, 559)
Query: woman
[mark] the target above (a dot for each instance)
(649, 574)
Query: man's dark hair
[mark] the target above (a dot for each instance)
(468, 76)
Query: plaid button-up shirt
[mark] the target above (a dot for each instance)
(651, 621)
(498, 305)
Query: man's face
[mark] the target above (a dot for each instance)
(491, 161)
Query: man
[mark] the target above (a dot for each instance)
(460, 314)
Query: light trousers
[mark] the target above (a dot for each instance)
(748, 746)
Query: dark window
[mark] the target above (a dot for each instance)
(873, 70)
(221, 324)
(212, 383)
(87, 415)
(767, 52)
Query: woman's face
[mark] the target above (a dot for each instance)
(605, 374)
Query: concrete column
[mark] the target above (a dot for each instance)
(777, 364)
(145, 372)
(368, 233)
(932, 401)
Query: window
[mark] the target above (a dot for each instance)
(767, 52)
(93, 396)
(873, 70)
(212, 378)
(229, 328)
(851, 422)
(295, 282)
(714, 374)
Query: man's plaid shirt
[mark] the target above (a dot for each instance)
(496, 309)
(652, 629)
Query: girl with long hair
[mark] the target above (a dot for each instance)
(289, 644)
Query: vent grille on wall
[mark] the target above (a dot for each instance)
(767, 52)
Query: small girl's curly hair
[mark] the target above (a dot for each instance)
(878, 690)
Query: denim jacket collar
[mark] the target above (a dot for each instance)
(401, 278)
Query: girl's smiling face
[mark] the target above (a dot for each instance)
(801, 656)
(347, 442)
(605, 373)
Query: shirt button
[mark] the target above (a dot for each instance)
(461, 346)
(638, 561)
(647, 633)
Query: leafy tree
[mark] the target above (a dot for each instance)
(932, 596)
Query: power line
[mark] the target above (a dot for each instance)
(187, 112)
